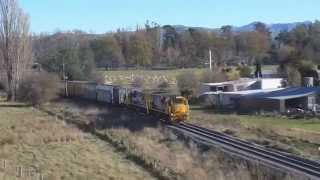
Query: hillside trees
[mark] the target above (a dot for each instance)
(66, 54)
(15, 44)
(178, 47)
(299, 49)
(140, 50)
(107, 52)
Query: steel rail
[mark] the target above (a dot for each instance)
(302, 165)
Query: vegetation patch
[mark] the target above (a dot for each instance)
(298, 136)
(159, 150)
(35, 145)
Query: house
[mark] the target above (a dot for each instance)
(228, 99)
(223, 94)
(241, 85)
(228, 86)
(280, 100)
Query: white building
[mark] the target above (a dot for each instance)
(227, 99)
(222, 94)
(241, 85)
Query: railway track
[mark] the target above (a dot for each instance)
(281, 159)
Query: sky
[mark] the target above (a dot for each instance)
(100, 16)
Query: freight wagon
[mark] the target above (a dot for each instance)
(174, 107)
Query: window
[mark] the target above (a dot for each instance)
(213, 88)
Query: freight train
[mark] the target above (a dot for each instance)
(173, 108)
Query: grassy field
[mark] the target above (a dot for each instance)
(151, 77)
(33, 144)
(301, 136)
(154, 77)
(143, 139)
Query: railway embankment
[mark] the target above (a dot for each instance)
(161, 151)
(34, 145)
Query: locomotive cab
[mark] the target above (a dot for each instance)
(178, 109)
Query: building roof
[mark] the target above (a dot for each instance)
(245, 92)
(241, 80)
(287, 93)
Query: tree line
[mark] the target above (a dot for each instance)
(76, 55)
(163, 46)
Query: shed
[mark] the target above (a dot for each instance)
(280, 100)
(242, 84)
(228, 99)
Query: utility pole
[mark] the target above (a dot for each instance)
(210, 59)
(65, 78)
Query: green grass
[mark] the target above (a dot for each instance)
(311, 125)
(300, 136)
(209, 115)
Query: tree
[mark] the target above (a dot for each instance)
(68, 54)
(244, 70)
(294, 76)
(15, 44)
(140, 52)
(107, 52)
(188, 84)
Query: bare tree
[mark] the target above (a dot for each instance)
(15, 44)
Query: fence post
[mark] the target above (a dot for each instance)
(19, 171)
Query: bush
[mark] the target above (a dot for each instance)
(38, 88)
(294, 76)
(138, 82)
(245, 71)
(232, 75)
(2, 86)
(164, 85)
(188, 84)
(99, 78)
(209, 76)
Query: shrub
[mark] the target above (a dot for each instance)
(138, 82)
(232, 75)
(2, 86)
(98, 78)
(164, 85)
(294, 76)
(188, 84)
(209, 76)
(245, 71)
(38, 88)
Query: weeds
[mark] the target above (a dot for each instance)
(162, 152)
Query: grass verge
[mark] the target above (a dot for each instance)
(299, 136)
(34, 145)
(159, 150)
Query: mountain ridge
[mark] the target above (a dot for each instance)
(275, 28)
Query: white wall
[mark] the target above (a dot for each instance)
(271, 83)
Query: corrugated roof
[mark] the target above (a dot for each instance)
(287, 93)
(245, 92)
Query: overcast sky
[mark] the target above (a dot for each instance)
(101, 16)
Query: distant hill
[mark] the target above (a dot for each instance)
(274, 28)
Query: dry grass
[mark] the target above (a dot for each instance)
(152, 77)
(161, 150)
(299, 136)
(41, 144)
